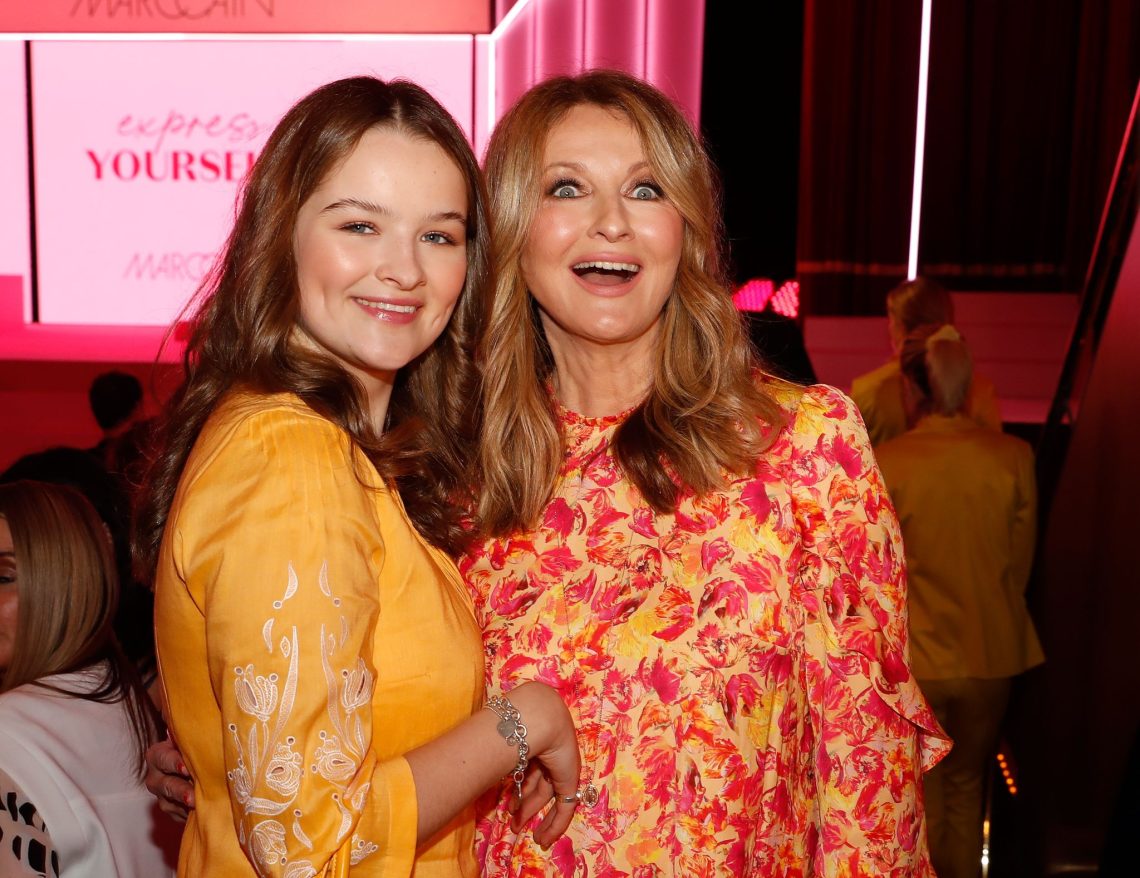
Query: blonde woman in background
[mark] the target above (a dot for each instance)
(879, 393)
(74, 717)
(966, 498)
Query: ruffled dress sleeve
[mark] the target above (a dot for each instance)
(873, 734)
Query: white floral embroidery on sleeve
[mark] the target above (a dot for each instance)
(267, 761)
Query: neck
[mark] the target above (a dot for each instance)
(378, 393)
(596, 380)
(377, 384)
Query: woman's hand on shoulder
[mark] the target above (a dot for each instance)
(168, 780)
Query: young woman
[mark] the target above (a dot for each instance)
(320, 661)
(74, 717)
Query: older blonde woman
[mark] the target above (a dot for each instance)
(700, 557)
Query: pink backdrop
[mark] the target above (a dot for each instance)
(245, 16)
(15, 246)
(118, 251)
(140, 142)
(137, 161)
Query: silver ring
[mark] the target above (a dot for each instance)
(587, 797)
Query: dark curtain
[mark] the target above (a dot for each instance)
(1027, 103)
(860, 92)
(1108, 73)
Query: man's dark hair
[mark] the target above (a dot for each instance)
(114, 396)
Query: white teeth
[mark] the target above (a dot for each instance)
(608, 266)
(387, 306)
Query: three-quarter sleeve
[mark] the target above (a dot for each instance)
(873, 733)
(279, 543)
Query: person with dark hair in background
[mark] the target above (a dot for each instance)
(74, 717)
(878, 393)
(966, 498)
(116, 400)
(779, 341)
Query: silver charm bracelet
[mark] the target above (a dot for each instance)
(514, 732)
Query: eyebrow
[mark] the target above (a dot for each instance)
(381, 210)
(580, 168)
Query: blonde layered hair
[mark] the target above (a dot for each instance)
(67, 591)
(705, 414)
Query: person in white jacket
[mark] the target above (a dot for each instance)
(74, 717)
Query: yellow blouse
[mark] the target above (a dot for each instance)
(307, 638)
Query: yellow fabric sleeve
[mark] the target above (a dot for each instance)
(282, 547)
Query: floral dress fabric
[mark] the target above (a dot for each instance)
(737, 671)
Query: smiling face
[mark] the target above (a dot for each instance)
(602, 252)
(9, 597)
(381, 253)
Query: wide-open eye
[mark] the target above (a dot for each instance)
(566, 189)
(647, 191)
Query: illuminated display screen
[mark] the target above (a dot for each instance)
(139, 148)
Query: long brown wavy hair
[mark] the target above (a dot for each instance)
(705, 414)
(68, 590)
(243, 328)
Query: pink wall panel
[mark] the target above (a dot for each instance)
(136, 175)
(675, 35)
(615, 34)
(15, 246)
(514, 53)
(660, 40)
(558, 39)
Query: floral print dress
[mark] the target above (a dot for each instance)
(737, 671)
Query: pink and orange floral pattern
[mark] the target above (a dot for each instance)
(738, 671)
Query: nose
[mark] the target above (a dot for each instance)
(400, 265)
(612, 219)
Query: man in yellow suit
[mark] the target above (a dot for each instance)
(878, 393)
(966, 500)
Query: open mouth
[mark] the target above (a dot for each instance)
(606, 273)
